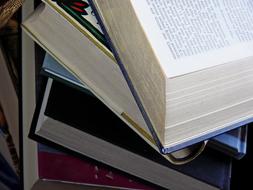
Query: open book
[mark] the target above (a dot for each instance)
(188, 63)
(78, 43)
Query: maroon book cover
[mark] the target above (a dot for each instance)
(54, 165)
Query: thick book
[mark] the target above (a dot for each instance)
(94, 66)
(202, 103)
(55, 165)
(232, 143)
(95, 133)
(185, 63)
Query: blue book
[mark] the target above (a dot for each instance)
(232, 143)
(83, 126)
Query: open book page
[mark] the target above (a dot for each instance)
(190, 35)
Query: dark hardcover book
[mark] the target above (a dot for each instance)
(232, 143)
(96, 133)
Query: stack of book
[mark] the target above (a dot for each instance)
(156, 92)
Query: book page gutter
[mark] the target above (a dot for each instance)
(191, 35)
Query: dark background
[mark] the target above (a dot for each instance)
(241, 169)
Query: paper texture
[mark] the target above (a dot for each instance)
(192, 35)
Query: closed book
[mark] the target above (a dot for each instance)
(55, 165)
(95, 133)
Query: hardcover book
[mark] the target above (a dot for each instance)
(94, 65)
(232, 143)
(55, 165)
(205, 92)
(58, 123)
(186, 63)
